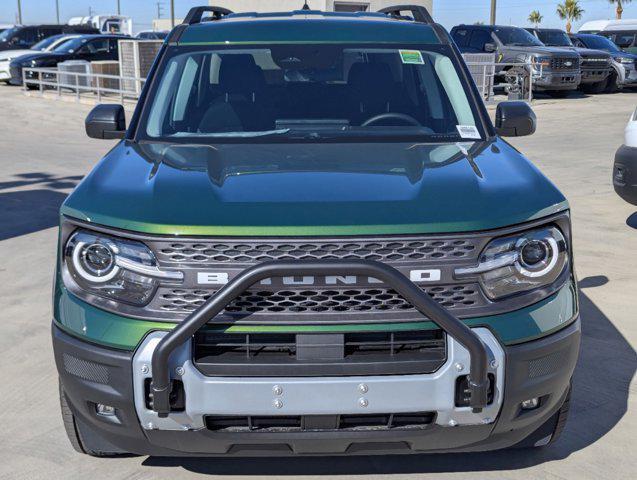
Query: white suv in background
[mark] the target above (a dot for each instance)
(46, 45)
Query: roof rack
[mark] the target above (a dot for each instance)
(417, 13)
(195, 15)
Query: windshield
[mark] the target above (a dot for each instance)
(311, 92)
(70, 45)
(7, 34)
(42, 45)
(600, 43)
(554, 38)
(516, 37)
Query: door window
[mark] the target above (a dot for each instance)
(479, 39)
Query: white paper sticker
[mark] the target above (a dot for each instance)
(468, 131)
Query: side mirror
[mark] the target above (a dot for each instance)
(490, 47)
(515, 119)
(106, 122)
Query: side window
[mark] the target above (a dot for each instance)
(479, 39)
(48, 32)
(96, 46)
(461, 37)
(27, 37)
(624, 40)
(578, 43)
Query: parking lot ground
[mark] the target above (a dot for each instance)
(44, 153)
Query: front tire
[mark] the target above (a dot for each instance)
(611, 84)
(83, 439)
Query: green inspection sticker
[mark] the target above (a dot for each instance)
(411, 57)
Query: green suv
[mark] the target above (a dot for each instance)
(311, 239)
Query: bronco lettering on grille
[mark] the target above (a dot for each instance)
(416, 276)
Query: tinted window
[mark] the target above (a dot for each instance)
(49, 31)
(44, 44)
(461, 37)
(27, 36)
(624, 40)
(598, 42)
(479, 38)
(554, 38)
(516, 37)
(99, 45)
(331, 90)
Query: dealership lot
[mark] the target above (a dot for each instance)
(44, 153)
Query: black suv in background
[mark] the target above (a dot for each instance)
(91, 48)
(595, 64)
(23, 36)
(555, 70)
(627, 61)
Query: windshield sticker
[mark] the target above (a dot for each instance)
(413, 57)
(468, 131)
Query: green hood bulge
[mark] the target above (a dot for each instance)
(313, 189)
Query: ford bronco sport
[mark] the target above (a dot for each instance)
(311, 239)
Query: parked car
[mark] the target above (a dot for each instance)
(47, 45)
(625, 168)
(5, 26)
(25, 36)
(555, 70)
(311, 239)
(595, 65)
(152, 35)
(91, 48)
(625, 64)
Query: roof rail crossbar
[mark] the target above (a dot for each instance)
(418, 13)
(195, 15)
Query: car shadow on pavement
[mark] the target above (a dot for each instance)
(32, 202)
(600, 394)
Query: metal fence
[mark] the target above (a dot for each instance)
(520, 77)
(81, 84)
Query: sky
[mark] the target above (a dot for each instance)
(447, 12)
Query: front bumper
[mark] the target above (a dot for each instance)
(92, 375)
(5, 71)
(594, 75)
(625, 174)
(550, 80)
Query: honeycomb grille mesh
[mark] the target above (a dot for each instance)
(320, 300)
(86, 370)
(247, 252)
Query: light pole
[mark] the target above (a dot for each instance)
(172, 13)
(493, 9)
(19, 12)
(57, 11)
(119, 11)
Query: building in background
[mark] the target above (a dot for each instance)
(326, 5)
(286, 5)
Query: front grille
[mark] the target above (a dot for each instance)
(411, 249)
(565, 63)
(319, 300)
(317, 423)
(362, 353)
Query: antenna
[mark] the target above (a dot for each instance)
(306, 6)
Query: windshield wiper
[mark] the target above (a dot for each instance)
(267, 133)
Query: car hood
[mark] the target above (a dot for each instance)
(548, 51)
(317, 189)
(11, 54)
(52, 57)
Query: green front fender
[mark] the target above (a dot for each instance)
(103, 328)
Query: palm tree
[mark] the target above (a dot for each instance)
(536, 18)
(570, 11)
(620, 7)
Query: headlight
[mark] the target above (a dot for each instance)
(121, 270)
(520, 263)
(538, 61)
(624, 60)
